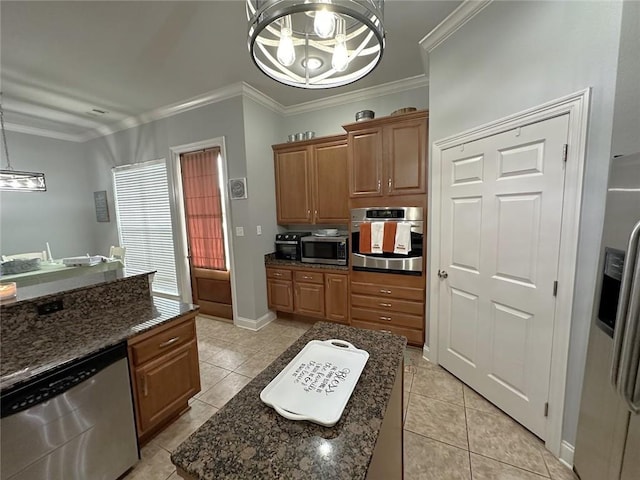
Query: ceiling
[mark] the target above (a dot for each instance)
(62, 60)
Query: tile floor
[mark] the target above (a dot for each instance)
(451, 432)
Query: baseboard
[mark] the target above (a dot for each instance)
(426, 353)
(257, 324)
(566, 453)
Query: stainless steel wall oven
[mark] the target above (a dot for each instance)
(410, 263)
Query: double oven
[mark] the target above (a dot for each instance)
(409, 263)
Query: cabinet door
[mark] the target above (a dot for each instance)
(165, 383)
(293, 189)
(365, 163)
(309, 299)
(280, 295)
(330, 182)
(406, 152)
(337, 297)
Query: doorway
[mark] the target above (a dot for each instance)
(503, 253)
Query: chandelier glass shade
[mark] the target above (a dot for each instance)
(316, 44)
(13, 180)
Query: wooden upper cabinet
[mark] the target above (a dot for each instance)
(406, 145)
(330, 191)
(365, 162)
(293, 188)
(388, 156)
(311, 181)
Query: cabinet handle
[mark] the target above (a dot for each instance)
(316, 213)
(388, 319)
(389, 183)
(385, 304)
(386, 331)
(308, 213)
(379, 185)
(145, 385)
(169, 342)
(388, 292)
(277, 274)
(306, 277)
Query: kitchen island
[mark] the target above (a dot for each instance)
(248, 439)
(53, 324)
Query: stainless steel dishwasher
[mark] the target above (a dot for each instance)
(76, 422)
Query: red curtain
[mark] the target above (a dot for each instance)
(203, 208)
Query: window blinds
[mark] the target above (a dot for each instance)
(144, 222)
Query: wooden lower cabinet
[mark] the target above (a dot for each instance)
(165, 373)
(336, 294)
(393, 303)
(312, 293)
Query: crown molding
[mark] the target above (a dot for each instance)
(257, 96)
(456, 19)
(230, 91)
(214, 96)
(43, 132)
(419, 81)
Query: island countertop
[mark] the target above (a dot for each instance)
(248, 439)
(94, 318)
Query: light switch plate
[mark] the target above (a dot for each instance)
(239, 231)
(259, 229)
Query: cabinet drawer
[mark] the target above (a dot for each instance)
(392, 318)
(279, 273)
(406, 293)
(386, 303)
(163, 342)
(414, 337)
(309, 277)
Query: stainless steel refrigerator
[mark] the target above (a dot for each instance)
(608, 439)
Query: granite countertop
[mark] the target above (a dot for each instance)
(30, 351)
(248, 439)
(270, 260)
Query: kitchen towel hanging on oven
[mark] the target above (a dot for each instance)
(377, 235)
(403, 238)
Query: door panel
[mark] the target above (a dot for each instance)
(210, 280)
(406, 157)
(365, 163)
(331, 184)
(292, 187)
(500, 237)
(631, 460)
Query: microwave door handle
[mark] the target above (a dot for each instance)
(616, 374)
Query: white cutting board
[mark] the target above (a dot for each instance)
(317, 384)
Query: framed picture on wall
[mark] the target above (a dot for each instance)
(237, 188)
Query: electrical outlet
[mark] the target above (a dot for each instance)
(50, 307)
(239, 231)
(259, 229)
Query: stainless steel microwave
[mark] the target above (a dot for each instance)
(330, 250)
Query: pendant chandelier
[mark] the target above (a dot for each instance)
(13, 180)
(316, 43)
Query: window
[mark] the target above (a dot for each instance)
(144, 222)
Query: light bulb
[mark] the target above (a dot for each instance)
(340, 59)
(286, 51)
(324, 23)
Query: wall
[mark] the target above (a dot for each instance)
(153, 140)
(516, 55)
(626, 119)
(64, 215)
(329, 120)
(262, 129)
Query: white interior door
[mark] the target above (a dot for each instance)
(500, 240)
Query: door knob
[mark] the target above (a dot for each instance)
(442, 274)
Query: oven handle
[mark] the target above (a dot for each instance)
(416, 226)
(286, 242)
